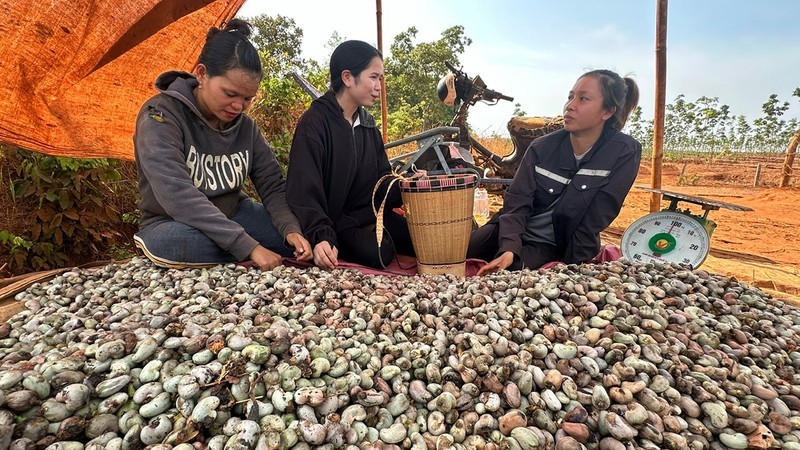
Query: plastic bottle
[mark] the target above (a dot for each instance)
(480, 208)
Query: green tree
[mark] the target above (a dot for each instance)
(280, 101)
(696, 126)
(640, 129)
(278, 40)
(678, 120)
(742, 133)
(412, 73)
(710, 123)
(770, 128)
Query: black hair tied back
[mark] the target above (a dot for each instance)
(230, 48)
(238, 26)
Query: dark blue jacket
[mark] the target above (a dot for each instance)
(590, 193)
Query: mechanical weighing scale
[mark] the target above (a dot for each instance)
(672, 235)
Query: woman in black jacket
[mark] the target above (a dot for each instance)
(571, 183)
(336, 159)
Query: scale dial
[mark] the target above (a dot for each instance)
(667, 237)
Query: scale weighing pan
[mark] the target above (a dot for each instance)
(671, 235)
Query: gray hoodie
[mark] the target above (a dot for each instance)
(193, 173)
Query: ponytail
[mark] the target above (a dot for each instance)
(631, 101)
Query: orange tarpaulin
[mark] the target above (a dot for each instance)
(73, 73)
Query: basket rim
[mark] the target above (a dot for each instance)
(439, 183)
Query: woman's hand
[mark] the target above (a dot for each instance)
(500, 263)
(326, 255)
(265, 259)
(302, 249)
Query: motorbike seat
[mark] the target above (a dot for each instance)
(536, 126)
(523, 130)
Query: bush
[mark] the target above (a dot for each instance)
(64, 211)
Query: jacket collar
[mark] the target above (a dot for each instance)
(566, 158)
(328, 101)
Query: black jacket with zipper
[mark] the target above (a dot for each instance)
(333, 168)
(589, 193)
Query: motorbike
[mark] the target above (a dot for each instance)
(459, 90)
(452, 148)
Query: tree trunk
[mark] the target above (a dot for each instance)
(787, 164)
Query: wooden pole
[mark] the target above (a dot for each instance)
(379, 14)
(758, 175)
(661, 88)
(787, 164)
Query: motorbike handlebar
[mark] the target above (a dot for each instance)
(484, 94)
(489, 94)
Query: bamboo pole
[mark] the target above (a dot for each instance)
(787, 164)
(379, 14)
(661, 87)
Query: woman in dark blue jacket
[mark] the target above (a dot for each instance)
(571, 183)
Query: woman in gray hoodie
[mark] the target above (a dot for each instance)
(194, 150)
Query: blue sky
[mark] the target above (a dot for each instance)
(738, 51)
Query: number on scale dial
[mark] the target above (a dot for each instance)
(666, 236)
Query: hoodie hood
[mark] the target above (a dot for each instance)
(179, 85)
(328, 101)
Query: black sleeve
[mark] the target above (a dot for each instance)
(305, 190)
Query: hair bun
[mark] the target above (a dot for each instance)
(238, 26)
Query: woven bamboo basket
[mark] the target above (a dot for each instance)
(439, 214)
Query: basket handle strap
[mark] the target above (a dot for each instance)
(394, 176)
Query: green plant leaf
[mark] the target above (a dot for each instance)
(113, 174)
(65, 202)
(45, 214)
(71, 214)
(19, 259)
(36, 231)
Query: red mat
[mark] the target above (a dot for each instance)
(402, 265)
(407, 265)
(609, 252)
